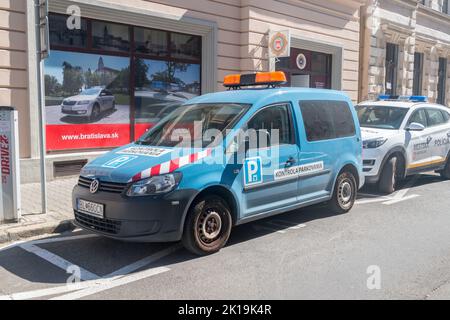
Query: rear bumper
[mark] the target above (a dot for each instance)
(146, 219)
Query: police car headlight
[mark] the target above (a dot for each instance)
(154, 185)
(373, 144)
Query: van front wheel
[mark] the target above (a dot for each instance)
(345, 191)
(208, 226)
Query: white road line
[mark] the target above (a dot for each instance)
(112, 284)
(394, 201)
(381, 199)
(286, 225)
(57, 261)
(63, 239)
(144, 262)
(261, 227)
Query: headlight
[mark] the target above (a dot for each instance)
(154, 185)
(83, 102)
(373, 144)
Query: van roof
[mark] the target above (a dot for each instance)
(252, 96)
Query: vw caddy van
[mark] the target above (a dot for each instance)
(225, 159)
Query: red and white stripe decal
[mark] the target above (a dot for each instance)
(171, 166)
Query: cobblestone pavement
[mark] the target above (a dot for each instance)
(59, 197)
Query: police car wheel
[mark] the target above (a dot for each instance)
(388, 177)
(446, 172)
(208, 226)
(344, 193)
(95, 112)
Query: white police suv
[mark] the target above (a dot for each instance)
(403, 136)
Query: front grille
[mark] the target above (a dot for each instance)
(69, 103)
(104, 186)
(98, 224)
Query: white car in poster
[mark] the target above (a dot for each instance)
(90, 103)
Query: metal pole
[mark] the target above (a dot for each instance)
(41, 106)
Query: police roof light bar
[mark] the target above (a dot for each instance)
(384, 97)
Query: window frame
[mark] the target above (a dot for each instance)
(414, 113)
(393, 78)
(442, 81)
(418, 74)
(293, 133)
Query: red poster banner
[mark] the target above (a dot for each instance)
(87, 136)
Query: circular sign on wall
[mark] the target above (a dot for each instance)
(278, 44)
(301, 61)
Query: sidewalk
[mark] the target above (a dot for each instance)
(58, 219)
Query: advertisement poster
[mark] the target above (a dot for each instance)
(161, 87)
(87, 101)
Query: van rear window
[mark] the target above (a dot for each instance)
(325, 120)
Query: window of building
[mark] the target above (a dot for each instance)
(109, 36)
(108, 58)
(60, 35)
(418, 71)
(324, 120)
(442, 82)
(391, 68)
(445, 7)
(274, 118)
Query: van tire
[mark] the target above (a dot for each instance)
(344, 195)
(201, 239)
(445, 174)
(388, 177)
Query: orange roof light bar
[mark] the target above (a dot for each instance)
(255, 79)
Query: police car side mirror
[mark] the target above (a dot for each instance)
(415, 127)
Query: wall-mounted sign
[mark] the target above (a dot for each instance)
(301, 61)
(279, 44)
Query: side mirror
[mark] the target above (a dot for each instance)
(415, 127)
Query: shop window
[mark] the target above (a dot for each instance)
(418, 70)
(442, 82)
(61, 35)
(391, 68)
(109, 36)
(162, 87)
(184, 46)
(87, 101)
(152, 42)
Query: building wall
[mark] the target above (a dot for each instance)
(415, 28)
(13, 65)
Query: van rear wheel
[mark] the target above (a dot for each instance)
(208, 226)
(345, 191)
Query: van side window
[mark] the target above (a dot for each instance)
(275, 117)
(325, 120)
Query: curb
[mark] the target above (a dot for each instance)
(23, 232)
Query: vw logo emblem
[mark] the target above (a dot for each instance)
(94, 186)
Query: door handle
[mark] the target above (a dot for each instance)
(290, 162)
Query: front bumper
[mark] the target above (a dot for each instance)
(372, 162)
(144, 219)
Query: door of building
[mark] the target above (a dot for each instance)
(307, 69)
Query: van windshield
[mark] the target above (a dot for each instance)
(381, 117)
(194, 125)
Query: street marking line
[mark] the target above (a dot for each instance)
(144, 262)
(58, 261)
(112, 284)
(63, 239)
(286, 225)
(394, 201)
(97, 283)
(381, 199)
(261, 227)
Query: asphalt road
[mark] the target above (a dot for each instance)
(403, 241)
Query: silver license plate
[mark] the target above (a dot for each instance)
(91, 208)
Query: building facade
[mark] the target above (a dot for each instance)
(123, 64)
(405, 49)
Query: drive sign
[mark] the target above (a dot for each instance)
(9, 165)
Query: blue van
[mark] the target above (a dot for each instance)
(225, 159)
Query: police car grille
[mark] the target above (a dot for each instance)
(69, 103)
(98, 224)
(104, 186)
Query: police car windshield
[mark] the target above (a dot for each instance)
(381, 117)
(90, 92)
(194, 125)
